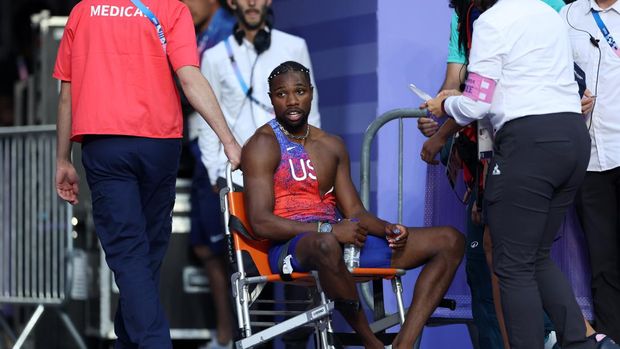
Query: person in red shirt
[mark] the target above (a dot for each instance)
(116, 63)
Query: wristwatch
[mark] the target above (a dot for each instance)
(325, 227)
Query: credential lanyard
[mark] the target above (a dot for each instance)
(244, 87)
(601, 25)
(151, 16)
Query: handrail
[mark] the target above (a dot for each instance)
(369, 136)
(14, 130)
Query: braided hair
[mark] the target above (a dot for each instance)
(286, 67)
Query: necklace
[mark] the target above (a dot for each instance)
(290, 135)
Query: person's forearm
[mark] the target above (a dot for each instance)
(63, 124)
(474, 104)
(448, 129)
(201, 97)
(455, 73)
(272, 227)
(373, 224)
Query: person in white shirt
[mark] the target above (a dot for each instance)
(521, 79)
(598, 200)
(237, 69)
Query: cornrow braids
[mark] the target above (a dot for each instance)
(286, 67)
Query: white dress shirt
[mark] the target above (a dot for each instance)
(523, 47)
(604, 123)
(242, 115)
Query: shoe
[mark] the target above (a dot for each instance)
(551, 341)
(604, 342)
(214, 344)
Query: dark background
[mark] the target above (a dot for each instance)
(18, 42)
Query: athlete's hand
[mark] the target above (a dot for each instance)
(67, 182)
(350, 232)
(396, 235)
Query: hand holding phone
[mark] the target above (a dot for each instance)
(423, 95)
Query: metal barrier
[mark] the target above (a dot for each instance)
(35, 226)
(375, 299)
(369, 136)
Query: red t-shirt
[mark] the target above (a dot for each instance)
(121, 79)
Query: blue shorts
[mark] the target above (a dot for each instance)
(375, 254)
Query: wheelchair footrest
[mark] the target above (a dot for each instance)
(302, 319)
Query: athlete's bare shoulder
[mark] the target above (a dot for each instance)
(263, 135)
(262, 146)
(329, 142)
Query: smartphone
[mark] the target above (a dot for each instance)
(425, 96)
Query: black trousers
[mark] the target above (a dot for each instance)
(598, 206)
(539, 163)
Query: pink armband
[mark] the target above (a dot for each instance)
(479, 88)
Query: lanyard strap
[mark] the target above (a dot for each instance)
(244, 87)
(601, 25)
(151, 16)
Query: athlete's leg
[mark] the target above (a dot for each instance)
(441, 250)
(322, 252)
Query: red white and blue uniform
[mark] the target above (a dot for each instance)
(297, 197)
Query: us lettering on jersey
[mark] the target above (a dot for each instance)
(305, 171)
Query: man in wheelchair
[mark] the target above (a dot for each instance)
(299, 194)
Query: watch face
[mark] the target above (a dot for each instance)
(325, 228)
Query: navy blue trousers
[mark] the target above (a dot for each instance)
(132, 182)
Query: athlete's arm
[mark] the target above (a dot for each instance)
(347, 197)
(259, 159)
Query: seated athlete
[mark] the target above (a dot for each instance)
(297, 185)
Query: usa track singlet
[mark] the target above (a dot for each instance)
(297, 197)
(296, 188)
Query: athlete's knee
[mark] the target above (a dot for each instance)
(326, 251)
(452, 241)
